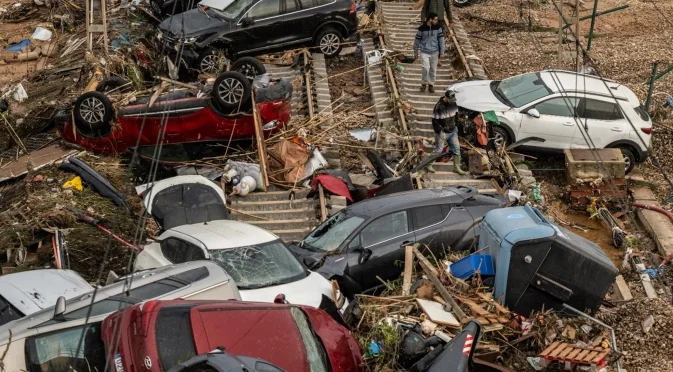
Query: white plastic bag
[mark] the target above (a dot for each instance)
(42, 34)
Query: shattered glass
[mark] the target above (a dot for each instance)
(333, 232)
(261, 265)
(314, 352)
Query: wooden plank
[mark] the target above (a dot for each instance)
(601, 355)
(408, 266)
(558, 349)
(323, 203)
(582, 354)
(428, 269)
(502, 319)
(647, 282)
(501, 310)
(474, 307)
(483, 320)
(493, 327)
(565, 352)
(549, 349)
(425, 261)
(591, 356)
(574, 353)
(436, 313)
(621, 289)
(261, 144)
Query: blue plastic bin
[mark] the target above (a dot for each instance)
(467, 266)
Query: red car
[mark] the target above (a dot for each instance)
(158, 335)
(188, 118)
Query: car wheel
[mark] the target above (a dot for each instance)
(629, 159)
(249, 66)
(330, 42)
(461, 3)
(157, 7)
(231, 90)
(500, 136)
(93, 110)
(208, 62)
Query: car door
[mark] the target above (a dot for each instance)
(602, 122)
(260, 27)
(301, 20)
(428, 227)
(385, 238)
(556, 123)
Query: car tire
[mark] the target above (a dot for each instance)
(500, 136)
(329, 42)
(110, 83)
(231, 91)
(157, 7)
(93, 111)
(207, 62)
(248, 66)
(629, 159)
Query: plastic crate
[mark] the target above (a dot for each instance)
(466, 267)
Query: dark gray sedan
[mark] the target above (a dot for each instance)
(367, 239)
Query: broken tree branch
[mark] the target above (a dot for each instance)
(430, 272)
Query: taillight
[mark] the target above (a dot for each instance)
(352, 8)
(647, 130)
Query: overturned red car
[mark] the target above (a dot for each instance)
(223, 114)
(158, 335)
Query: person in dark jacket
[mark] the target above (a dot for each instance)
(444, 124)
(435, 6)
(430, 42)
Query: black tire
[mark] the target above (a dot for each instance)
(501, 136)
(93, 111)
(629, 159)
(329, 42)
(207, 62)
(157, 7)
(231, 91)
(462, 3)
(248, 66)
(110, 83)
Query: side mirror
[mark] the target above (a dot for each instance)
(247, 22)
(59, 309)
(365, 253)
(534, 113)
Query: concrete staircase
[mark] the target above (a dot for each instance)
(400, 25)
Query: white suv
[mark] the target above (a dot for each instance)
(566, 109)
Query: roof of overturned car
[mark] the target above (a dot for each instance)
(388, 203)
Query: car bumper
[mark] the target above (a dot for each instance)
(643, 155)
(354, 36)
(187, 58)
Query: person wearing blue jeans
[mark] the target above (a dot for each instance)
(444, 124)
(429, 41)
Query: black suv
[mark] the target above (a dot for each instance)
(250, 27)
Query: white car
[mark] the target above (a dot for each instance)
(566, 109)
(28, 292)
(259, 262)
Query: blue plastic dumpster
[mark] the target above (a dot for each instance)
(541, 265)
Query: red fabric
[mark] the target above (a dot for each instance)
(333, 185)
(482, 133)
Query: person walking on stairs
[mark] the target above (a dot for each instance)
(430, 42)
(444, 123)
(438, 7)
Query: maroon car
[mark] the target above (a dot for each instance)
(180, 117)
(157, 335)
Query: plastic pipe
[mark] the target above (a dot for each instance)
(654, 208)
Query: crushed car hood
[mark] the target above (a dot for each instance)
(307, 291)
(477, 96)
(191, 23)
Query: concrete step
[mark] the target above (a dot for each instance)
(479, 184)
(270, 195)
(272, 205)
(273, 215)
(279, 225)
(441, 175)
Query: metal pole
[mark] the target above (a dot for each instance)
(593, 22)
(578, 55)
(666, 71)
(600, 14)
(612, 331)
(651, 87)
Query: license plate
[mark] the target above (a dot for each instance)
(118, 363)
